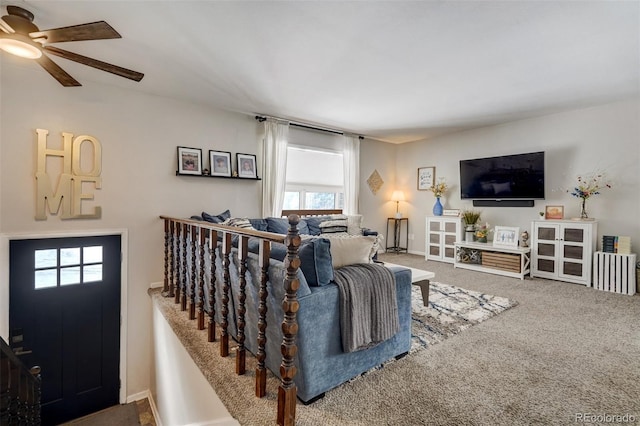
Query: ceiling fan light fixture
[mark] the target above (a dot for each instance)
(20, 45)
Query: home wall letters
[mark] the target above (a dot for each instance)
(66, 198)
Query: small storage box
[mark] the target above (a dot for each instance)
(504, 261)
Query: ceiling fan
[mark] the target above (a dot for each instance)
(21, 37)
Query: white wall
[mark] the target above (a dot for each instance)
(376, 208)
(181, 393)
(139, 135)
(605, 137)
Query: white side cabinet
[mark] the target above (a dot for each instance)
(442, 234)
(563, 250)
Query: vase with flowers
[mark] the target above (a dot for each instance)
(586, 187)
(438, 190)
(482, 232)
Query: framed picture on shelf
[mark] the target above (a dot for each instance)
(189, 161)
(554, 212)
(246, 164)
(506, 236)
(220, 163)
(426, 178)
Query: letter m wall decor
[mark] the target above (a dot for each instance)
(78, 165)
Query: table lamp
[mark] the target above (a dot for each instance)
(397, 196)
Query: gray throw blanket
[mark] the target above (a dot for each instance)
(368, 305)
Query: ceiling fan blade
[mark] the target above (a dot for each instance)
(56, 72)
(114, 69)
(94, 31)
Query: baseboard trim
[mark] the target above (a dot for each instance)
(154, 409)
(138, 396)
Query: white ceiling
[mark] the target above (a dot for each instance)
(396, 71)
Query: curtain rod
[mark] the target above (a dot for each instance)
(306, 126)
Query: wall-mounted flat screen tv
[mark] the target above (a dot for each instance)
(519, 176)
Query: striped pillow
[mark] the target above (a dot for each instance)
(238, 222)
(332, 226)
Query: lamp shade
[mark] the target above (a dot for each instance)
(397, 196)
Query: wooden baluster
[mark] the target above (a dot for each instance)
(14, 397)
(261, 372)
(178, 264)
(242, 309)
(165, 287)
(194, 266)
(172, 242)
(287, 390)
(185, 267)
(203, 238)
(224, 324)
(5, 397)
(211, 331)
(36, 390)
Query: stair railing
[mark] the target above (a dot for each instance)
(184, 281)
(20, 390)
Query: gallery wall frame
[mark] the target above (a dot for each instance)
(189, 161)
(246, 166)
(426, 178)
(220, 163)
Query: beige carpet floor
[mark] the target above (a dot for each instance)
(566, 353)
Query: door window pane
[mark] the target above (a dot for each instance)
(46, 258)
(92, 254)
(70, 256)
(46, 278)
(92, 273)
(70, 275)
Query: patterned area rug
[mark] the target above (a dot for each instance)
(451, 310)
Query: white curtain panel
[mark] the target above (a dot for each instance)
(275, 166)
(351, 164)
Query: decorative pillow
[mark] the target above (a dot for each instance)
(315, 259)
(313, 222)
(259, 224)
(352, 250)
(354, 224)
(333, 225)
(280, 225)
(238, 222)
(217, 218)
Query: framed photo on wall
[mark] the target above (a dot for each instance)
(246, 164)
(220, 163)
(426, 178)
(506, 236)
(554, 212)
(189, 161)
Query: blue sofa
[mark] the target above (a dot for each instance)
(320, 361)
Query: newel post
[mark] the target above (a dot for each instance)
(287, 390)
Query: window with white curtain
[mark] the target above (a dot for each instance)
(315, 179)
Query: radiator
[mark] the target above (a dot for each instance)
(614, 272)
